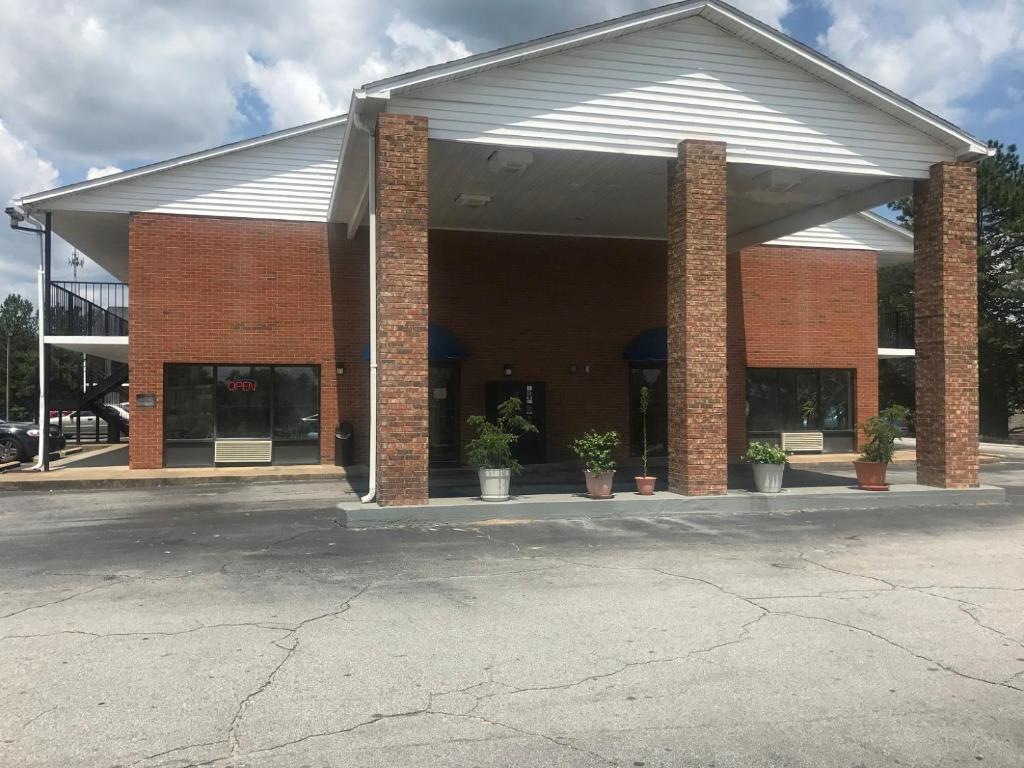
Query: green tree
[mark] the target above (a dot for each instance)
(18, 326)
(1000, 285)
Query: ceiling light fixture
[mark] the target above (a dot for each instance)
(472, 201)
(510, 161)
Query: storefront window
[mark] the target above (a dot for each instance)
(762, 401)
(296, 402)
(794, 400)
(204, 403)
(243, 401)
(188, 402)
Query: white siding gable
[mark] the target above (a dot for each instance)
(644, 92)
(289, 178)
(857, 233)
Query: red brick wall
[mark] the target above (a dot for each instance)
(697, 388)
(542, 304)
(350, 286)
(946, 332)
(208, 290)
(539, 304)
(202, 290)
(801, 308)
(402, 268)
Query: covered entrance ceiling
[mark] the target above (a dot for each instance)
(602, 194)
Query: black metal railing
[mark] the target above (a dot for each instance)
(896, 328)
(88, 309)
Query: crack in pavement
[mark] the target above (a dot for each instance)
(905, 649)
(63, 599)
(871, 633)
(156, 633)
(743, 634)
(289, 652)
(964, 606)
(172, 750)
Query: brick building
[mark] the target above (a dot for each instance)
(670, 199)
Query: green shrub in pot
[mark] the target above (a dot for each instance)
(596, 450)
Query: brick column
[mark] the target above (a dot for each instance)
(402, 415)
(697, 392)
(946, 326)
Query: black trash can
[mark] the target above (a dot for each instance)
(344, 445)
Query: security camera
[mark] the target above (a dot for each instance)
(17, 216)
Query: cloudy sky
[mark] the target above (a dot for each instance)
(92, 87)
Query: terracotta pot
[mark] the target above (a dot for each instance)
(599, 486)
(871, 475)
(645, 485)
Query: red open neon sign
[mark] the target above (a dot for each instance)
(241, 385)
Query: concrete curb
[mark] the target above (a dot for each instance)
(628, 505)
(160, 482)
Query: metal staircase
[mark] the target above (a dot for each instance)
(92, 400)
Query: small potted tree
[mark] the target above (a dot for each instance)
(769, 462)
(644, 484)
(595, 449)
(881, 431)
(491, 450)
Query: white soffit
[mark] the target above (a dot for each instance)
(860, 232)
(641, 84)
(285, 175)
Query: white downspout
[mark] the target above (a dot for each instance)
(44, 417)
(372, 208)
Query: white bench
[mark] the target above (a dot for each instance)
(808, 442)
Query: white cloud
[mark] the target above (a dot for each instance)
(99, 173)
(22, 170)
(940, 53)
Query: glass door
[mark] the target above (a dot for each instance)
(445, 414)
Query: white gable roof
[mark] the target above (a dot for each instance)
(861, 232)
(659, 46)
(287, 175)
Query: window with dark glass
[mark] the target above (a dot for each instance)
(243, 401)
(188, 402)
(203, 403)
(651, 375)
(296, 403)
(794, 400)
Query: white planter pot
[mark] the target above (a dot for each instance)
(494, 484)
(768, 477)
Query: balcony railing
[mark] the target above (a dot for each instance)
(88, 309)
(896, 329)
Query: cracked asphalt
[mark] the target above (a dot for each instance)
(243, 626)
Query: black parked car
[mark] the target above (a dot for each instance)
(19, 440)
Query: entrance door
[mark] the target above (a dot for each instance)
(445, 414)
(531, 447)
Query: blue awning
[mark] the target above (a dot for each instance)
(442, 344)
(649, 346)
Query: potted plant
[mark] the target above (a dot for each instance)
(595, 448)
(491, 450)
(769, 463)
(644, 484)
(881, 431)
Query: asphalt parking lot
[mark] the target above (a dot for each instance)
(243, 626)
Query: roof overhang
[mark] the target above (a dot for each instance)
(47, 200)
(348, 203)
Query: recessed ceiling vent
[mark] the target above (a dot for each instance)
(510, 161)
(472, 201)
